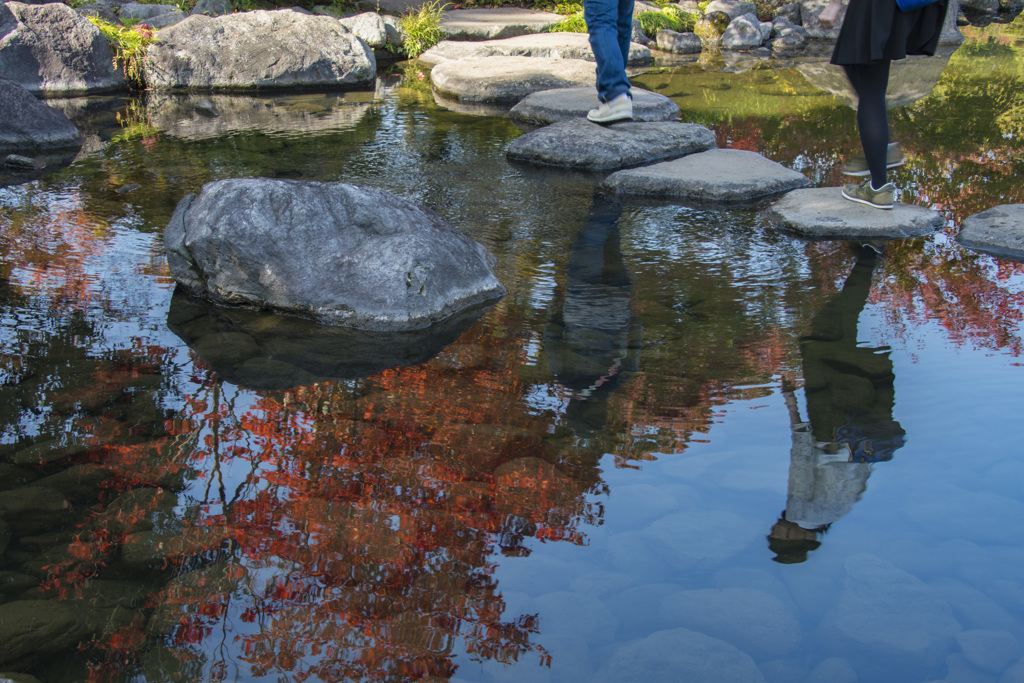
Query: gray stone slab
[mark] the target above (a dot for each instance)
(500, 22)
(560, 45)
(998, 231)
(507, 79)
(823, 213)
(580, 144)
(718, 176)
(30, 125)
(548, 106)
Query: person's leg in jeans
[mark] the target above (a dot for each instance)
(604, 21)
(870, 81)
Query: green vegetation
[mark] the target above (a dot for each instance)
(670, 17)
(571, 23)
(129, 45)
(422, 29)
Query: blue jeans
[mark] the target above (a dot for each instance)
(610, 25)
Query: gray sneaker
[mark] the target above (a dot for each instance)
(616, 109)
(863, 193)
(858, 166)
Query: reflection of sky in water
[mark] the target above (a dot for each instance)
(655, 522)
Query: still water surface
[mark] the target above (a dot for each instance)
(685, 446)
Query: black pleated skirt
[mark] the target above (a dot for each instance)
(877, 29)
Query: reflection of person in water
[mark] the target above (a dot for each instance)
(850, 398)
(592, 340)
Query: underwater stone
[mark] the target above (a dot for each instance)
(32, 630)
(680, 655)
(823, 213)
(714, 176)
(998, 231)
(337, 253)
(548, 106)
(583, 145)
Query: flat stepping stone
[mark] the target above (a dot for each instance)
(823, 213)
(507, 79)
(561, 45)
(998, 231)
(502, 22)
(583, 145)
(548, 106)
(719, 176)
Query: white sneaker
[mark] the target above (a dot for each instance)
(616, 109)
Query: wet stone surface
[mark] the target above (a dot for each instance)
(559, 45)
(823, 213)
(580, 144)
(501, 22)
(548, 106)
(714, 176)
(998, 231)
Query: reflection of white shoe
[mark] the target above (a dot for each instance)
(616, 109)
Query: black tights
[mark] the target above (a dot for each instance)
(871, 81)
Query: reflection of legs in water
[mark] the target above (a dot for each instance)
(589, 341)
(850, 396)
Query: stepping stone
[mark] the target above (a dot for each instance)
(582, 145)
(548, 106)
(488, 24)
(823, 213)
(998, 231)
(560, 45)
(720, 176)
(508, 79)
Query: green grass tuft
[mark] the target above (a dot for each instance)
(129, 45)
(422, 29)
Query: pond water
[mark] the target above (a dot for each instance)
(685, 446)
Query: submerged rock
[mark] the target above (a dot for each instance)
(715, 176)
(548, 106)
(583, 145)
(507, 79)
(53, 49)
(334, 252)
(680, 655)
(823, 213)
(32, 630)
(230, 53)
(261, 350)
(998, 231)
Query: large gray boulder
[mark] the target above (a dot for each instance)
(213, 8)
(548, 106)
(26, 124)
(718, 176)
(53, 50)
(678, 43)
(561, 45)
(734, 8)
(260, 49)
(334, 252)
(745, 33)
(823, 213)
(998, 231)
(141, 12)
(507, 79)
(583, 145)
(369, 26)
